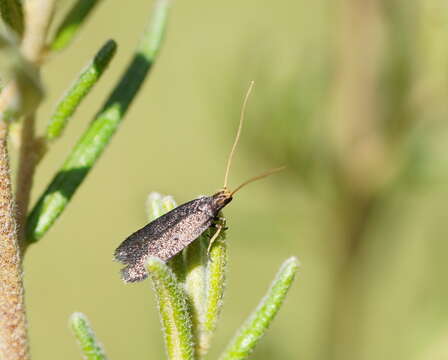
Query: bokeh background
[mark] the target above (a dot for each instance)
(350, 95)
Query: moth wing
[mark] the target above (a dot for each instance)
(134, 247)
(131, 249)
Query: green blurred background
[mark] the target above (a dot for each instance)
(351, 96)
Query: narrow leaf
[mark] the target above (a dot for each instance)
(216, 276)
(81, 87)
(204, 285)
(256, 325)
(195, 258)
(72, 22)
(173, 309)
(91, 145)
(12, 15)
(90, 347)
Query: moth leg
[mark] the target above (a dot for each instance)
(219, 227)
(219, 221)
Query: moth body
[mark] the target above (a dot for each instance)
(169, 234)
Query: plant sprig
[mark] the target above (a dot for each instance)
(100, 131)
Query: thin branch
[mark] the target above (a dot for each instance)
(13, 323)
(38, 16)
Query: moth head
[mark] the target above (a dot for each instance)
(222, 198)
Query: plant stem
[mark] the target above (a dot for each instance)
(28, 159)
(13, 324)
(38, 15)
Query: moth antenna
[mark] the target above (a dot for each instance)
(240, 126)
(258, 177)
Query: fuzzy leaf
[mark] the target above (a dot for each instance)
(204, 285)
(90, 347)
(77, 92)
(215, 286)
(173, 309)
(195, 259)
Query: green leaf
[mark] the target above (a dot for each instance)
(90, 347)
(204, 285)
(12, 15)
(82, 86)
(91, 145)
(195, 260)
(71, 24)
(215, 286)
(173, 309)
(256, 325)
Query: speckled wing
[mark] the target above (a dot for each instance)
(164, 237)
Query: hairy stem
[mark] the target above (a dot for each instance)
(28, 159)
(13, 324)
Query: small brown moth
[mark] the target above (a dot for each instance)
(169, 234)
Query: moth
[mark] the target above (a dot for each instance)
(169, 234)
